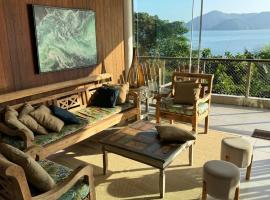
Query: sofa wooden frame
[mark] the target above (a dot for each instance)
(206, 81)
(70, 95)
(14, 184)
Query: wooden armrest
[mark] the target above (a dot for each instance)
(159, 96)
(16, 133)
(68, 183)
(35, 152)
(204, 99)
(135, 97)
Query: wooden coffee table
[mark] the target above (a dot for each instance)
(139, 141)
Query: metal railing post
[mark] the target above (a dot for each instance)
(248, 82)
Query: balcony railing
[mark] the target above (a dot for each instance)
(239, 77)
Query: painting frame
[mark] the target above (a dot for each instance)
(94, 57)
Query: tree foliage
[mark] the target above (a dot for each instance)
(162, 38)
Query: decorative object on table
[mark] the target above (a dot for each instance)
(238, 151)
(262, 134)
(139, 142)
(136, 77)
(173, 134)
(196, 110)
(105, 97)
(58, 31)
(143, 93)
(221, 180)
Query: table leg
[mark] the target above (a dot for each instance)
(105, 161)
(162, 183)
(191, 155)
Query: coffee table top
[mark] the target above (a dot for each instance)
(141, 138)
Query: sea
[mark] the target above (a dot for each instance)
(233, 41)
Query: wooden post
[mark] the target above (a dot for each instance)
(204, 192)
(249, 170)
(249, 74)
(191, 155)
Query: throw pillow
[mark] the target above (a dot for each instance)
(64, 115)
(105, 97)
(11, 119)
(186, 92)
(26, 109)
(44, 117)
(7, 130)
(29, 121)
(35, 174)
(169, 133)
(32, 124)
(123, 91)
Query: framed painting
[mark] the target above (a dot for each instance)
(65, 38)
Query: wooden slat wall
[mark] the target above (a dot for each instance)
(18, 68)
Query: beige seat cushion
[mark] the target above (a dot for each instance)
(29, 121)
(186, 92)
(222, 178)
(44, 117)
(170, 133)
(237, 150)
(35, 174)
(11, 119)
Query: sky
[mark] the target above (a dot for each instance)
(181, 9)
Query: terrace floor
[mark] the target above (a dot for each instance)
(128, 179)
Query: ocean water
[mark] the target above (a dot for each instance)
(233, 41)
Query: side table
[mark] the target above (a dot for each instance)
(144, 95)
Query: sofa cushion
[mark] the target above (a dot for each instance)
(168, 105)
(35, 174)
(94, 114)
(59, 172)
(88, 116)
(44, 117)
(11, 119)
(186, 92)
(105, 97)
(54, 136)
(64, 115)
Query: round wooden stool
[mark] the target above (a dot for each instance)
(238, 151)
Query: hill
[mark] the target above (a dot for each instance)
(216, 20)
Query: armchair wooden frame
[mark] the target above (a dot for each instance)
(13, 183)
(206, 81)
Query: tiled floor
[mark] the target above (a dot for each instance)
(243, 121)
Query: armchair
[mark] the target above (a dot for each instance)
(70, 184)
(166, 108)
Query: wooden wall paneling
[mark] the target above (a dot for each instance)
(6, 81)
(19, 66)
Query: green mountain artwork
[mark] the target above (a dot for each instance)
(66, 38)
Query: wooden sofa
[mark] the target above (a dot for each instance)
(69, 183)
(75, 96)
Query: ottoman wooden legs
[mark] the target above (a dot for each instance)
(249, 170)
(204, 192)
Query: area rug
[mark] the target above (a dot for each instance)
(127, 179)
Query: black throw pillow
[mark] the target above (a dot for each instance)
(105, 97)
(64, 115)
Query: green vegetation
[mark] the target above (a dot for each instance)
(162, 38)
